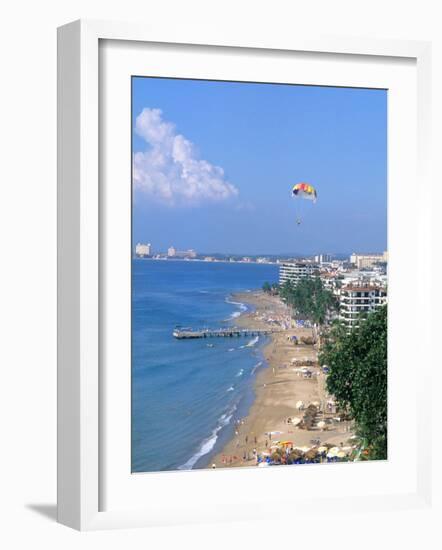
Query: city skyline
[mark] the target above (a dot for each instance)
(155, 250)
(214, 164)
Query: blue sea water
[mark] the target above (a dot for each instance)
(186, 395)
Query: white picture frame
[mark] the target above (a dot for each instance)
(80, 407)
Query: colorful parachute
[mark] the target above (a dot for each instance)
(305, 191)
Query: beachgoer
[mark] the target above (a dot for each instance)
(214, 466)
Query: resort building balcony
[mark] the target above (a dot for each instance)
(355, 301)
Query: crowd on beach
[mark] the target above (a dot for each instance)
(279, 452)
(316, 431)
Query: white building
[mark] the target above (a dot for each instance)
(355, 300)
(143, 250)
(323, 258)
(330, 280)
(172, 252)
(294, 271)
(364, 261)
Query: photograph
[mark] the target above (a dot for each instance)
(259, 274)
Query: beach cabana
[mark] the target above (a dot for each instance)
(311, 454)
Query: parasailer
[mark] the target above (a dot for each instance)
(303, 191)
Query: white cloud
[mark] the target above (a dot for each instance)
(170, 170)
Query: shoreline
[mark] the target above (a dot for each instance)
(279, 387)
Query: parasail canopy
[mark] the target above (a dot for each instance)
(304, 191)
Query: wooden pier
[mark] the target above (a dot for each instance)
(221, 333)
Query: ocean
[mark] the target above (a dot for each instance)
(186, 394)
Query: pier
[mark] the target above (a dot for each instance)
(221, 333)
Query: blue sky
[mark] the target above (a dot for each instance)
(214, 164)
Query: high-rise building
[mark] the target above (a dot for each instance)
(171, 251)
(355, 301)
(294, 271)
(143, 250)
(323, 258)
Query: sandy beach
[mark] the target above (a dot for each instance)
(283, 390)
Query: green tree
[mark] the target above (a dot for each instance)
(275, 288)
(357, 377)
(266, 287)
(286, 292)
(312, 300)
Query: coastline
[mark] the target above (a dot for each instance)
(279, 388)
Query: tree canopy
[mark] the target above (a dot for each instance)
(266, 286)
(357, 363)
(309, 298)
(270, 288)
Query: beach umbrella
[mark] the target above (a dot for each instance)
(322, 449)
(303, 449)
(263, 464)
(299, 405)
(341, 454)
(296, 421)
(333, 452)
(321, 424)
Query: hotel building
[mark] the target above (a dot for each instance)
(357, 299)
(323, 258)
(363, 261)
(142, 250)
(172, 252)
(294, 271)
